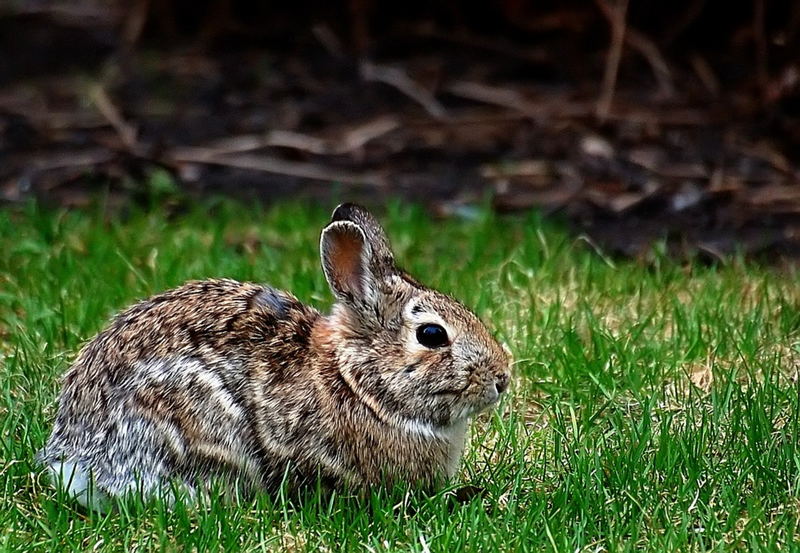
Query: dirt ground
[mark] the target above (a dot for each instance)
(632, 121)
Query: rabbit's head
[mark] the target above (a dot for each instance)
(418, 358)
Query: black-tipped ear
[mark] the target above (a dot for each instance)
(382, 258)
(346, 256)
(347, 212)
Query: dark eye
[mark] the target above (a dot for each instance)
(432, 336)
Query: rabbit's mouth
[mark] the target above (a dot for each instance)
(487, 388)
(471, 399)
(487, 397)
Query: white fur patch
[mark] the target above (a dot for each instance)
(184, 370)
(422, 428)
(76, 482)
(219, 394)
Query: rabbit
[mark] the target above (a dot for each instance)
(239, 381)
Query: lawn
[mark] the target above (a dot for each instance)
(655, 404)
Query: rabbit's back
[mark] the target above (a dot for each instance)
(164, 390)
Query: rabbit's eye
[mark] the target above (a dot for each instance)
(432, 336)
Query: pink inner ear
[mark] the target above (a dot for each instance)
(344, 256)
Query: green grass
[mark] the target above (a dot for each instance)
(655, 405)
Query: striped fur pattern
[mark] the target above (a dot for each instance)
(235, 381)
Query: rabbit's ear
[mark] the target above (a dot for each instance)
(382, 260)
(346, 258)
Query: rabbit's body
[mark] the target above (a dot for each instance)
(239, 381)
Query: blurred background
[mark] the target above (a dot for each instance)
(631, 120)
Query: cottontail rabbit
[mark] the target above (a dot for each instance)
(240, 381)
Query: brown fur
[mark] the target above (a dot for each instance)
(221, 378)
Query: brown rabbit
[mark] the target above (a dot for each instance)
(240, 381)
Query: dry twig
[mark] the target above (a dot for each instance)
(706, 74)
(134, 23)
(65, 160)
(400, 80)
(494, 95)
(646, 47)
(328, 39)
(556, 106)
(345, 143)
(107, 109)
(269, 164)
(612, 61)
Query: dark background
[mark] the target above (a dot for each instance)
(633, 121)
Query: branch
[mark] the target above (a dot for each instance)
(612, 61)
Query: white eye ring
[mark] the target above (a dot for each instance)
(417, 318)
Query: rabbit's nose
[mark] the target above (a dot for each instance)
(501, 382)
